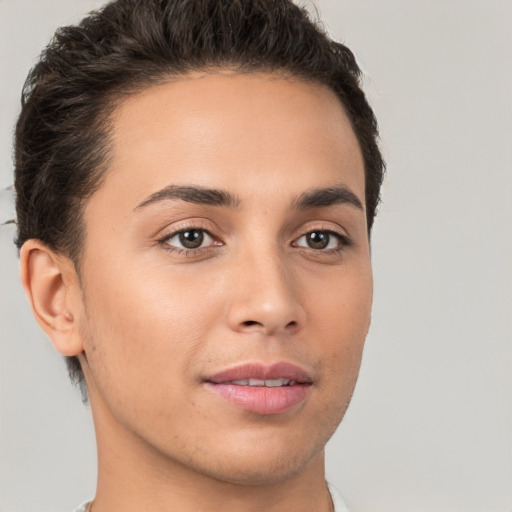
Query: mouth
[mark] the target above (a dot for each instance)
(262, 389)
(268, 383)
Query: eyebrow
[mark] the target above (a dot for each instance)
(192, 194)
(322, 197)
(317, 198)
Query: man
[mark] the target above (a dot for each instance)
(196, 183)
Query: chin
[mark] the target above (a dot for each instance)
(263, 461)
(260, 473)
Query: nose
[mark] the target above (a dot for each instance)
(265, 296)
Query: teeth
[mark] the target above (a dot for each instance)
(270, 383)
(276, 383)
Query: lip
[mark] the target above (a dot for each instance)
(261, 399)
(281, 370)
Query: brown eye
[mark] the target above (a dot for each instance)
(317, 240)
(320, 240)
(189, 239)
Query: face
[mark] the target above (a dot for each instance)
(226, 275)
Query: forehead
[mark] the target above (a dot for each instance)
(241, 131)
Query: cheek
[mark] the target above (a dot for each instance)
(340, 315)
(146, 327)
(343, 304)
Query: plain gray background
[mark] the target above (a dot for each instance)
(430, 425)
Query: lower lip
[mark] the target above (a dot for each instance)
(262, 399)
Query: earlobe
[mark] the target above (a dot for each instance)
(49, 280)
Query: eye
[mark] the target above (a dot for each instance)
(190, 239)
(321, 240)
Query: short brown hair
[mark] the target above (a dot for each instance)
(62, 135)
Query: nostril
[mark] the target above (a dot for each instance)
(251, 323)
(248, 323)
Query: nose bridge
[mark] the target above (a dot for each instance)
(265, 294)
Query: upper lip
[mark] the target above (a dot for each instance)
(280, 370)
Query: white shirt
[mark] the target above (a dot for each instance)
(337, 500)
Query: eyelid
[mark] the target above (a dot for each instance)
(177, 233)
(205, 226)
(186, 225)
(329, 227)
(344, 239)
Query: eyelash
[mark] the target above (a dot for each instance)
(164, 241)
(343, 240)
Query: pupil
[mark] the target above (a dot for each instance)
(318, 240)
(191, 239)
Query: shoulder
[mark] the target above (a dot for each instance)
(337, 500)
(84, 506)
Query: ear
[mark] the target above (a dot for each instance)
(52, 287)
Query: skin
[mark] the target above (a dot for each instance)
(150, 322)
